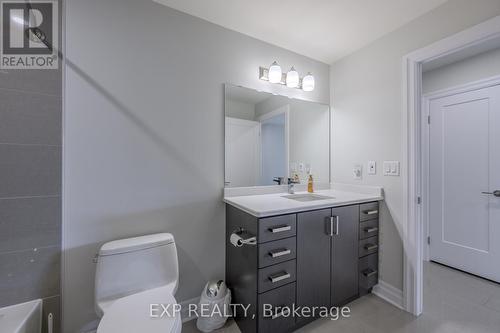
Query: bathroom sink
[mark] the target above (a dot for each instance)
(307, 197)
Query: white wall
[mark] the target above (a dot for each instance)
(366, 98)
(241, 110)
(472, 69)
(143, 134)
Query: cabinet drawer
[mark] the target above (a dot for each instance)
(278, 319)
(368, 229)
(272, 253)
(368, 271)
(276, 227)
(368, 246)
(277, 275)
(368, 211)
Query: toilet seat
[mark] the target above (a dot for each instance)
(131, 314)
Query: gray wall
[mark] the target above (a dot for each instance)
(30, 187)
(366, 97)
(143, 134)
(472, 69)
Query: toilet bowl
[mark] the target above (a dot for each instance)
(132, 275)
(132, 314)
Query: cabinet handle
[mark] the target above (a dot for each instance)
(279, 253)
(280, 313)
(280, 229)
(279, 277)
(337, 231)
(369, 247)
(370, 212)
(368, 230)
(330, 226)
(369, 272)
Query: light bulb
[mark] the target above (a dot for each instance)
(308, 82)
(275, 73)
(292, 78)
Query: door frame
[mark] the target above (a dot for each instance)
(285, 109)
(411, 172)
(425, 144)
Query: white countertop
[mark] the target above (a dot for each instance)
(262, 205)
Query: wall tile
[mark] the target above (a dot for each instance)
(29, 223)
(30, 118)
(29, 170)
(29, 274)
(45, 81)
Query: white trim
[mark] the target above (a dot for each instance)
(185, 309)
(285, 109)
(389, 293)
(411, 150)
(425, 144)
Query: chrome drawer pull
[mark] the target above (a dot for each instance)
(370, 212)
(284, 311)
(279, 253)
(369, 247)
(368, 230)
(369, 272)
(280, 229)
(279, 277)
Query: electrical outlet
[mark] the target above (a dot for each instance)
(372, 167)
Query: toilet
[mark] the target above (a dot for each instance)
(131, 275)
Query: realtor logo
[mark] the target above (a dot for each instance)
(29, 34)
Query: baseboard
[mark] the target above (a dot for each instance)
(185, 309)
(389, 293)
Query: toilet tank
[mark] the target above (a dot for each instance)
(132, 265)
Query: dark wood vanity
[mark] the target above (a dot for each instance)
(318, 258)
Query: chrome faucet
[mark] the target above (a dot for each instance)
(291, 187)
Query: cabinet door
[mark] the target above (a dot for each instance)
(344, 255)
(313, 259)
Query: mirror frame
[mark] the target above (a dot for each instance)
(226, 85)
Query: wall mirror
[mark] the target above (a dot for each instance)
(270, 138)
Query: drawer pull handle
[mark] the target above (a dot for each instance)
(284, 311)
(279, 277)
(280, 229)
(370, 212)
(279, 253)
(369, 247)
(368, 230)
(369, 272)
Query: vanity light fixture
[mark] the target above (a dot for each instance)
(292, 78)
(308, 82)
(275, 73)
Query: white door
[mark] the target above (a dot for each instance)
(464, 162)
(242, 162)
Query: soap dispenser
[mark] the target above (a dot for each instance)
(310, 187)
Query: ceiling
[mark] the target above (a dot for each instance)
(325, 30)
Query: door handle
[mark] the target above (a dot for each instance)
(279, 277)
(280, 229)
(496, 193)
(279, 253)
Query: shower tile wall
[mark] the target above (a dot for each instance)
(30, 188)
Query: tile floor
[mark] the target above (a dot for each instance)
(453, 302)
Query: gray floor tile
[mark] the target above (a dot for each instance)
(447, 309)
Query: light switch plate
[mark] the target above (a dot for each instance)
(391, 168)
(372, 167)
(357, 171)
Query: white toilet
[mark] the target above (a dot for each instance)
(131, 275)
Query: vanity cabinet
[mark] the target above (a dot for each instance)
(319, 258)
